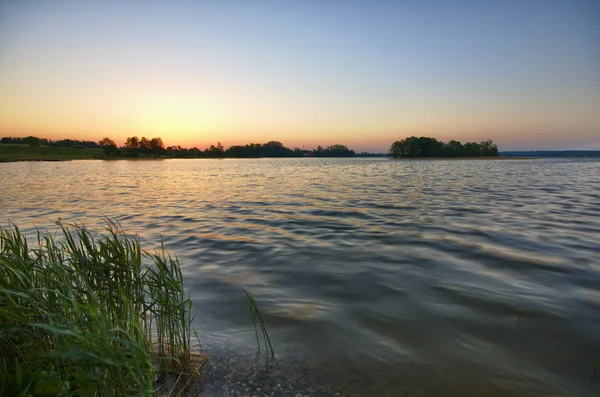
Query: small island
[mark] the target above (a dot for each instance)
(425, 147)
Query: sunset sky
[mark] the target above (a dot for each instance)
(524, 73)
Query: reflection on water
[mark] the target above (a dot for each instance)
(376, 277)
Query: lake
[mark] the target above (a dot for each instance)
(375, 277)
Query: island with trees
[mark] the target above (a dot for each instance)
(414, 147)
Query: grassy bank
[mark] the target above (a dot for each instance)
(82, 314)
(12, 152)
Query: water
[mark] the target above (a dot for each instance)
(376, 277)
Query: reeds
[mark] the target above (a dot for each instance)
(83, 314)
(255, 314)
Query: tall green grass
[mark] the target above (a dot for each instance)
(255, 314)
(82, 314)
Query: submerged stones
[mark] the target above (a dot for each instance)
(231, 375)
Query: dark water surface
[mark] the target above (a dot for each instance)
(376, 277)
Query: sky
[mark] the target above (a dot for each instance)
(524, 73)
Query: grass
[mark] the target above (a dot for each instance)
(80, 314)
(13, 152)
(255, 314)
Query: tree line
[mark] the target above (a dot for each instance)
(252, 150)
(34, 141)
(155, 147)
(431, 147)
(143, 147)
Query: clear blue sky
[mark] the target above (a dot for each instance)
(362, 73)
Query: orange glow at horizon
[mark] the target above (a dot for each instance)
(191, 117)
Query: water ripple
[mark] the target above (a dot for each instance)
(388, 278)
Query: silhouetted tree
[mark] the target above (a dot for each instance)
(195, 152)
(409, 147)
(73, 143)
(11, 140)
(109, 146)
(132, 146)
(471, 149)
(145, 148)
(32, 141)
(488, 148)
(335, 151)
(453, 149)
(275, 149)
(215, 151)
(238, 151)
(157, 147)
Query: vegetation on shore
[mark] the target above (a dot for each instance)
(90, 315)
(34, 141)
(154, 147)
(134, 147)
(431, 147)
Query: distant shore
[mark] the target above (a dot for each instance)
(14, 160)
(18, 152)
(51, 159)
(465, 158)
(21, 153)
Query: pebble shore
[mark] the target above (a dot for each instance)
(229, 375)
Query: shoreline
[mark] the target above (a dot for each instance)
(8, 160)
(464, 158)
(37, 159)
(54, 159)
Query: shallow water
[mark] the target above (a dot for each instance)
(375, 277)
